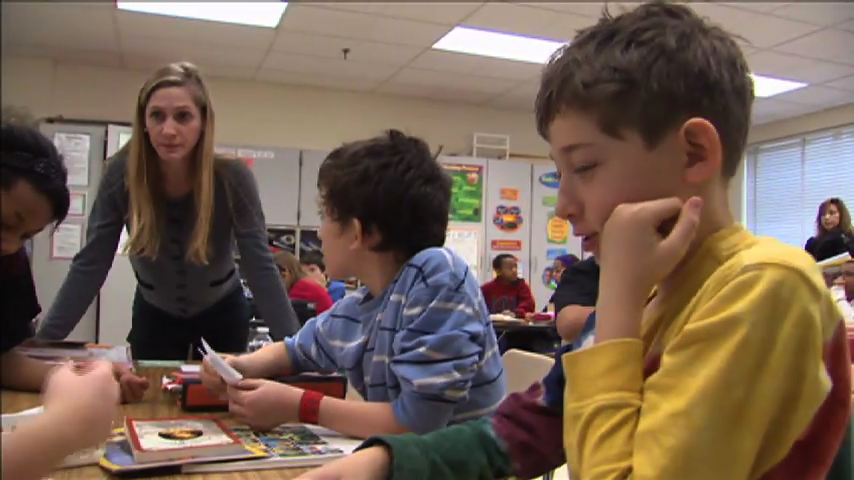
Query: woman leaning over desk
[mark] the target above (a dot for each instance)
(182, 205)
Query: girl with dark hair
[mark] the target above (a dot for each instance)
(834, 231)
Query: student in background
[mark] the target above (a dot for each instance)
(34, 197)
(313, 266)
(843, 292)
(80, 404)
(834, 231)
(298, 284)
(416, 341)
(507, 293)
(737, 366)
(183, 207)
(575, 297)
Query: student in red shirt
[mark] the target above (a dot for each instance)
(299, 286)
(507, 293)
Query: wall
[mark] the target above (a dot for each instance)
(290, 116)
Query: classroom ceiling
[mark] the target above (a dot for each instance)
(390, 46)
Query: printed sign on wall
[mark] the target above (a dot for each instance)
(550, 179)
(557, 229)
(506, 245)
(511, 194)
(550, 201)
(466, 192)
(507, 218)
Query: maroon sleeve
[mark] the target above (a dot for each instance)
(486, 290)
(531, 432)
(525, 300)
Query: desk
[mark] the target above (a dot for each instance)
(538, 337)
(156, 403)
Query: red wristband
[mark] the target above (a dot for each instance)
(309, 407)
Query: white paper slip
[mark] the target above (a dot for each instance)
(226, 371)
(191, 368)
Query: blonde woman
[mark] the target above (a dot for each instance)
(182, 205)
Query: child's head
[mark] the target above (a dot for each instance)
(385, 196)
(32, 184)
(848, 277)
(649, 104)
(563, 262)
(505, 267)
(289, 267)
(312, 265)
(832, 214)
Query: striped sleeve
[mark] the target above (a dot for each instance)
(435, 356)
(310, 350)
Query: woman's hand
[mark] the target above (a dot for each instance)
(133, 386)
(369, 464)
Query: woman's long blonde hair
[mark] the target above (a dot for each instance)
(143, 177)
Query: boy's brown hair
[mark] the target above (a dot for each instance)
(650, 70)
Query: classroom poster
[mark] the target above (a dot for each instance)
(466, 192)
(74, 148)
(282, 239)
(309, 242)
(66, 241)
(465, 242)
(557, 229)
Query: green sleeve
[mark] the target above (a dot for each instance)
(465, 451)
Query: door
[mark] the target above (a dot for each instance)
(83, 149)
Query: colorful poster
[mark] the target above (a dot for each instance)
(550, 280)
(282, 238)
(550, 179)
(550, 201)
(557, 229)
(506, 245)
(507, 218)
(553, 253)
(466, 192)
(511, 194)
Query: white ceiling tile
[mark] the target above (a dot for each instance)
(134, 24)
(331, 47)
(846, 83)
(342, 24)
(849, 26)
(441, 13)
(417, 77)
(797, 68)
(321, 81)
(60, 55)
(586, 9)
(193, 52)
(818, 96)
(511, 102)
(335, 67)
(149, 63)
(833, 45)
(818, 13)
(456, 95)
(758, 30)
(754, 6)
(72, 26)
(453, 62)
(775, 107)
(529, 21)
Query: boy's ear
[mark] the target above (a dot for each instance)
(353, 229)
(703, 152)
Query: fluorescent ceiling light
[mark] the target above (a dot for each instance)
(257, 14)
(506, 46)
(764, 87)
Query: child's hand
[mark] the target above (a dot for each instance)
(213, 381)
(264, 404)
(368, 464)
(636, 254)
(85, 401)
(133, 386)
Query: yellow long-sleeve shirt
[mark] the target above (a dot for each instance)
(728, 375)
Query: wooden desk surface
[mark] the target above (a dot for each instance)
(156, 403)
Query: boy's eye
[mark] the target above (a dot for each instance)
(582, 169)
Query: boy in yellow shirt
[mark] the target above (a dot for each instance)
(736, 367)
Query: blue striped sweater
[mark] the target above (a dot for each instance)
(425, 344)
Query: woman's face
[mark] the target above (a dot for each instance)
(173, 123)
(25, 213)
(557, 268)
(830, 219)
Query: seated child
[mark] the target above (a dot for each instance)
(34, 197)
(507, 293)
(297, 283)
(313, 266)
(736, 366)
(843, 292)
(416, 341)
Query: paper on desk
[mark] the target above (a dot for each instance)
(226, 371)
(11, 420)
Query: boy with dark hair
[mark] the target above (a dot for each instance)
(735, 366)
(313, 266)
(416, 341)
(507, 293)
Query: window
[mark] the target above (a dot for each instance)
(788, 179)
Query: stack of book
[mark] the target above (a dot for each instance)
(205, 444)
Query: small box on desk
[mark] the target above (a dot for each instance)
(196, 398)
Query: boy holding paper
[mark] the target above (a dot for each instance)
(416, 341)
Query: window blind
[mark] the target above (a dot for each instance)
(788, 179)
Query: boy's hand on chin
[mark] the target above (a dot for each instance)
(643, 242)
